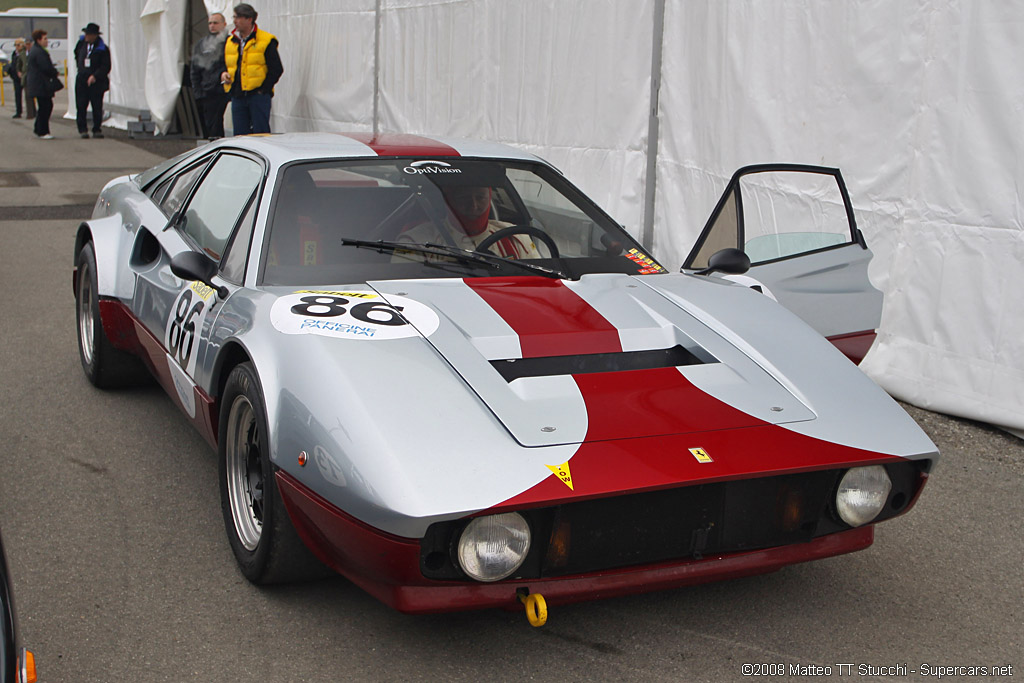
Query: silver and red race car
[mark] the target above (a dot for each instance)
(438, 368)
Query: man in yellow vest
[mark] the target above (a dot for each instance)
(252, 67)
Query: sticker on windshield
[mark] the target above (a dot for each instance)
(646, 263)
(352, 315)
(429, 167)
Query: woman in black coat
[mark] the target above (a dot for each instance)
(40, 73)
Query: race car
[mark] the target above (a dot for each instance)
(439, 369)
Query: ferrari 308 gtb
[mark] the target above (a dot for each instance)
(439, 369)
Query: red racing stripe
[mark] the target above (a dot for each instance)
(601, 468)
(639, 403)
(639, 441)
(550, 318)
(402, 145)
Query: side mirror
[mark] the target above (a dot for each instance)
(190, 265)
(729, 260)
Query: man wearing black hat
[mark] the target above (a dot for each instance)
(93, 59)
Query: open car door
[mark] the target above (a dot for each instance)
(797, 226)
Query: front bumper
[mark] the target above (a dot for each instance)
(388, 567)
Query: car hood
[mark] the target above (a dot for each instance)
(609, 356)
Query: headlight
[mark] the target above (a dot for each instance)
(493, 547)
(862, 494)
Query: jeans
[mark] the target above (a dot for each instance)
(251, 114)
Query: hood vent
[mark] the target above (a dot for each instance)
(516, 368)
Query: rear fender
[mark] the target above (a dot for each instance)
(112, 247)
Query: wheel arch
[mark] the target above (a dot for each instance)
(83, 237)
(231, 356)
(111, 246)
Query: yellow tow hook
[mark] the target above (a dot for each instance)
(536, 607)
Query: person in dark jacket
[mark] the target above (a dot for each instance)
(205, 70)
(14, 70)
(40, 74)
(93, 59)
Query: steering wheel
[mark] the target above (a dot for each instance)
(490, 240)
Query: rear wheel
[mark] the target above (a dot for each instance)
(265, 543)
(105, 366)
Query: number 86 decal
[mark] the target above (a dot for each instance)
(186, 318)
(362, 316)
(324, 306)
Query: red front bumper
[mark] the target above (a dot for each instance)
(387, 566)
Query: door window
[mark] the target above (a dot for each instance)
(233, 266)
(777, 212)
(179, 187)
(788, 213)
(218, 203)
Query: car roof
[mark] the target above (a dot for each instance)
(287, 147)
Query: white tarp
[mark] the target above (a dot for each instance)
(128, 49)
(921, 105)
(163, 22)
(918, 101)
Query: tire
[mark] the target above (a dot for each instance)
(266, 545)
(106, 366)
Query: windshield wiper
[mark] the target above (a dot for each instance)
(464, 255)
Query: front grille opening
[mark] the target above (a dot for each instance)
(689, 522)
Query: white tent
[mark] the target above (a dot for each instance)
(649, 105)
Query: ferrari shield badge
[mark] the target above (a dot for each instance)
(701, 455)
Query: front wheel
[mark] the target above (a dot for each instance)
(265, 543)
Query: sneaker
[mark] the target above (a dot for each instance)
(45, 137)
(98, 134)
(85, 136)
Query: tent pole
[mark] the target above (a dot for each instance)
(376, 69)
(650, 191)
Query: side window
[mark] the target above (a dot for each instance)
(777, 212)
(219, 201)
(233, 267)
(721, 231)
(178, 192)
(789, 213)
(157, 191)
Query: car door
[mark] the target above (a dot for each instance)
(205, 203)
(797, 225)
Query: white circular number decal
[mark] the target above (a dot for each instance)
(352, 315)
(185, 323)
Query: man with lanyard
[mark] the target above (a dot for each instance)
(252, 68)
(93, 59)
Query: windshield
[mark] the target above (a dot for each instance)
(520, 212)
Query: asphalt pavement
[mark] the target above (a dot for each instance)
(112, 523)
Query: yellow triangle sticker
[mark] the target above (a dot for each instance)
(562, 472)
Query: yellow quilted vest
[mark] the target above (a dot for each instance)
(254, 60)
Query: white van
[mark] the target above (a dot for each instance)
(21, 21)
